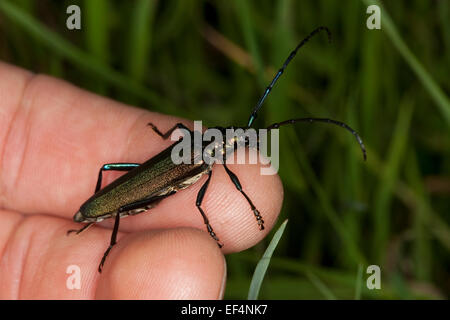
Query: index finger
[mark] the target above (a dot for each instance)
(55, 137)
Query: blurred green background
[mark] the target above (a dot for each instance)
(211, 60)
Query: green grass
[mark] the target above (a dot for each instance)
(92, 63)
(359, 281)
(212, 60)
(439, 97)
(263, 264)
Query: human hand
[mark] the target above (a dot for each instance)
(54, 138)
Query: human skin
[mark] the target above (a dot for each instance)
(54, 137)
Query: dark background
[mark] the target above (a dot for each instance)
(211, 60)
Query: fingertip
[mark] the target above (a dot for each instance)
(229, 213)
(238, 224)
(181, 263)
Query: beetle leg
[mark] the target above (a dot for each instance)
(112, 243)
(131, 206)
(169, 132)
(116, 167)
(80, 230)
(238, 186)
(198, 203)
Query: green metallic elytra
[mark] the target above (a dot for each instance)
(156, 177)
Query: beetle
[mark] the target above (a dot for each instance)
(144, 185)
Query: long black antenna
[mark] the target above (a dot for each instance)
(253, 115)
(311, 120)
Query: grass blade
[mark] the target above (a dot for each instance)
(140, 39)
(389, 179)
(430, 85)
(261, 268)
(358, 286)
(96, 25)
(326, 292)
(244, 14)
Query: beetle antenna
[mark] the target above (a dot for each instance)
(311, 120)
(253, 115)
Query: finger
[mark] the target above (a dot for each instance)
(172, 264)
(163, 264)
(58, 136)
(54, 137)
(228, 211)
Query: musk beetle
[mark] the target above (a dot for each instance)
(144, 185)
